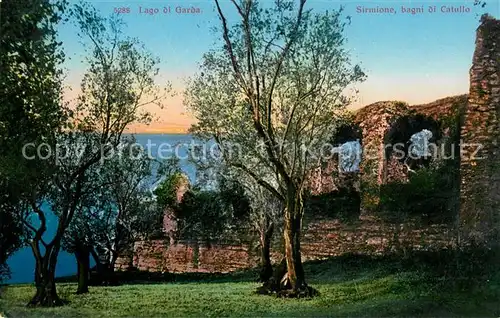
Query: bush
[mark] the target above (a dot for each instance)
(429, 194)
(212, 215)
(343, 204)
(166, 193)
(10, 234)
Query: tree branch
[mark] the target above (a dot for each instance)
(259, 180)
(229, 47)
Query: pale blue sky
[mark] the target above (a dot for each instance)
(416, 58)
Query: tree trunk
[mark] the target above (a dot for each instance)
(265, 241)
(105, 270)
(98, 278)
(82, 255)
(46, 294)
(111, 278)
(295, 277)
(293, 283)
(112, 263)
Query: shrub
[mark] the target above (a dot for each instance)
(212, 215)
(166, 193)
(343, 204)
(10, 234)
(429, 194)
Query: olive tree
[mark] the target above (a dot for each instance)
(10, 229)
(30, 108)
(119, 80)
(117, 211)
(263, 216)
(130, 211)
(266, 210)
(270, 95)
(257, 207)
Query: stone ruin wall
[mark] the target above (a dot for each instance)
(322, 238)
(185, 256)
(480, 184)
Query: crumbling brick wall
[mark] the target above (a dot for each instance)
(480, 184)
(322, 238)
(474, 117)
(190, 256)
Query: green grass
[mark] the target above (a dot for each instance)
(348, 288)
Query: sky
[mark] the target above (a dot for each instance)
(416, 58)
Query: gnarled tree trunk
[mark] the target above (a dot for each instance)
(265, 242)
(105, 270)
(82, 255)
(288, 279)
(293, 284)
(46, 293)
(295, 277)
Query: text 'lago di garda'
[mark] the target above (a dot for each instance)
(163, 10)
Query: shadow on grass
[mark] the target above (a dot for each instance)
(445, 265)
(424, 284)
(346, 267)
(144, 277)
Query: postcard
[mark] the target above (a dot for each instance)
(212, 157)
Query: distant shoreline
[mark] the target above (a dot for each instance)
(158, 133)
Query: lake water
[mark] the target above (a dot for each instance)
(22, 263)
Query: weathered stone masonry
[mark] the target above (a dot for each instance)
(480, 184)
(322, 239)
(475, 119)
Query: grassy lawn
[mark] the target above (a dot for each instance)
(347, 289)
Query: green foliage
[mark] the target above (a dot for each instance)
(10, 229)
(30, 80)
(260, 89)
(166, 192)
(30, 106)
(212, 215)
(206, 213)
(120, 76)
(203, 215)
(429, 195)
(117, 207)
(342, 204)
(233, 193)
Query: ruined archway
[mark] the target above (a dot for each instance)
(418, 182)
(410, 144)
(344, 200)
(348, 148)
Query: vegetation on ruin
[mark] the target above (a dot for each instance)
(275, 86)
(427, 196)
(166, 192)
(211, 215)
